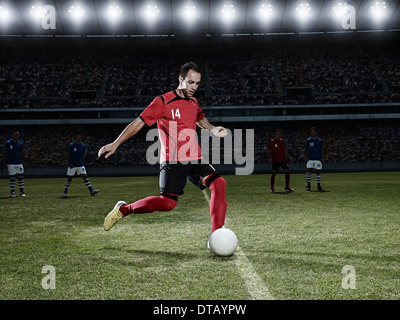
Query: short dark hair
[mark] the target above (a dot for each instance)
(277, 130)
(313, 128)
(188, 66)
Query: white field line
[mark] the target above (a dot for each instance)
(254, 284)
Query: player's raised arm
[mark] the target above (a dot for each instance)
(217, 131)
(130, 130)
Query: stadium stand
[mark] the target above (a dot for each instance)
(346, 75)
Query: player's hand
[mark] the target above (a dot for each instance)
(108, 149)
(219, 131)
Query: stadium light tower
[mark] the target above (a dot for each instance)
(113, 13)
(339, 9)
(265, 11)
(228, 13)
(77, 12)
(345, 14)
(37, 12)
(5, 14)
(151, 12)
(189, 13)
(303, 12)
(379, 10)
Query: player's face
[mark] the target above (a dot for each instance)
(190, 84)
(313, 133)
(78, 138)
(277, 134)
(15, 136)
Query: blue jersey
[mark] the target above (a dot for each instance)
(76, 152)
(314, 147)
(13, 151)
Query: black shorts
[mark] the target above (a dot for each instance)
(173, 177)
(276, 165)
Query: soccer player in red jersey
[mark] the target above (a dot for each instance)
(177, 114)
(277, 148)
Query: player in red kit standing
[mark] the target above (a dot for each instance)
(177, 114)
(277, 148)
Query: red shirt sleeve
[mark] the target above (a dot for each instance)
(200, 114)
(270, 145)
(153, 112)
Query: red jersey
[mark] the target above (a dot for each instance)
(176, 121)
(278, 150)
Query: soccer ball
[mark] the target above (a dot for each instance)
(223, 242)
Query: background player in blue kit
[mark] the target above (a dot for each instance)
(75, 156)
(13, 157)
(314, 155)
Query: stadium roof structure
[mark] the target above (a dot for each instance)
(136, 18)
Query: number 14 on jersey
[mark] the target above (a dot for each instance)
(175, 114)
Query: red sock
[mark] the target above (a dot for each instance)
(218, 203)
(149, 204)
(272, 181)
(287, 179)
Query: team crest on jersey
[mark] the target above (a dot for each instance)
(75, 149)
(11, 147)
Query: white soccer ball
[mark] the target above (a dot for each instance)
(223, 242)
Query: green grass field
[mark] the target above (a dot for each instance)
(296, 244)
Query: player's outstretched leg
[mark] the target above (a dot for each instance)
(146, 205)
(114, 216)
(218, 204)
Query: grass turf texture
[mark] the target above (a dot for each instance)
(297, 242)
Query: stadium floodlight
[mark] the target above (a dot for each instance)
(265, 12)
(340, 9)
(189, 13)
(228, 12)
(379, 10)
(345, 14)
(76, 12)
(5, 15)
(37, 12)
(113, 12)
(151, 12)
(303, 11)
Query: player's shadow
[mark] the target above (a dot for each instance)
(166, 254)
(280, 192)
(2, 198)
(317, 191)
(69, 197)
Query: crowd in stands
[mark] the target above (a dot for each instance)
(45, 77)
(46, 145)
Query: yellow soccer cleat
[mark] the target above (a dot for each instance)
(114, 216)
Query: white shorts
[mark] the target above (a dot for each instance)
(14, 169)
(314, 164)
(76, 170)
